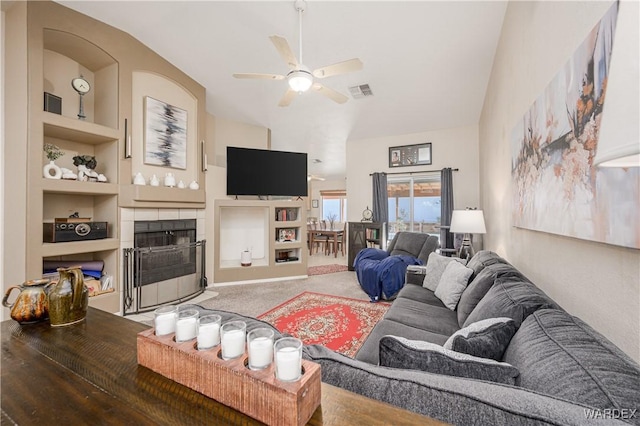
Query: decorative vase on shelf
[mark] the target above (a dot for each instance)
(194, 185)
(181, 185)
(154, 181)
(52, 171)
(139, 179)
(170, 180)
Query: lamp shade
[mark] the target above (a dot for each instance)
(619, 135)
(300, 80)
(467, 222)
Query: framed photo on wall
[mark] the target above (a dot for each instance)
(410, 155)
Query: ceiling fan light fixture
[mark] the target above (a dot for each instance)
(300, 80)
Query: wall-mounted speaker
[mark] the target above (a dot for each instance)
(52, 103)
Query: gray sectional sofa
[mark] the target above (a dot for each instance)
(565, 372)
(559, 371)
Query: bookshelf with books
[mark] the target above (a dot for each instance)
(363, 235)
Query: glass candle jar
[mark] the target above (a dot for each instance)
(233, 339)
(186, 325)
(164, 320)
(208, 331)
(288, 358)
(260, 348)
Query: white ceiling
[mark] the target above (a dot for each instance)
(427, 62)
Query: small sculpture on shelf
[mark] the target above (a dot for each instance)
(86, 165)
(51, 170)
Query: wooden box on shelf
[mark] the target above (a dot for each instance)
(255, 393)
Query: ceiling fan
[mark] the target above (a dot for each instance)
(300, 78)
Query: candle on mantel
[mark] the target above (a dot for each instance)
(288, 364)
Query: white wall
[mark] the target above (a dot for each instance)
(455, 148)
(597, 282)
(324, 185)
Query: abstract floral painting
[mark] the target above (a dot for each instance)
(165, 134)
(556, 186)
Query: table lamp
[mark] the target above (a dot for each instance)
(467, 222)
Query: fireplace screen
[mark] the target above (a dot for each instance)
(166, 265)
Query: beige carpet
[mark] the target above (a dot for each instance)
(256, 299)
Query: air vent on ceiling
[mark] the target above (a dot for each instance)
(360, 91)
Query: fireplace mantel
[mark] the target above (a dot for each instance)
(146, 196)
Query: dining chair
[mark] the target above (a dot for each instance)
(318, 239)
(342, 238)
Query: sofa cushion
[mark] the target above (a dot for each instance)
(485, 339)
(370, 349)
(434, 270)
(452, 283)
(437, 319)
(419, 294)
(398, 352)
(562, 356)
(482, 259)
(511, 297)
(480, 285)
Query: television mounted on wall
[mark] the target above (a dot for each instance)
(264, 172)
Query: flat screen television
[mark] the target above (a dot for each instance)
(263, 172)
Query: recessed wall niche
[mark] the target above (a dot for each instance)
(67, 56)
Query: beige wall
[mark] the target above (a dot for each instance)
(161, 88)
(597, 282)
(455, 148)
(15, 131)
(221, 133)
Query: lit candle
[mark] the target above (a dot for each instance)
(288, 364)
(260, 353)
(232, 344)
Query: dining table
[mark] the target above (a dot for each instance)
(332, 235)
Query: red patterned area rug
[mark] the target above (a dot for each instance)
(339, 323)
(326, 269)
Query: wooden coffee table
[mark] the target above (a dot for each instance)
(88, 373)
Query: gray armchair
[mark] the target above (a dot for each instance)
(381, 274)
(414, 244)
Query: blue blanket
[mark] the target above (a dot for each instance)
(381, 275)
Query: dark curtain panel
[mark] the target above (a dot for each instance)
(380, 205)
(446, 207)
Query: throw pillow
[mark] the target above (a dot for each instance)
(452, 283)
(436, 264)
(485, 339)
(398, 352)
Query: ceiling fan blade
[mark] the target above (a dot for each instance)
(285, 51)
(339, 68)
(329, 93)
(287, 98)
(260, 76)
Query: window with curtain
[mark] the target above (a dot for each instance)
(414, 204)
(334, 202)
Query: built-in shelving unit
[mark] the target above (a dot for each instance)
(57, 57)
(274, 231)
